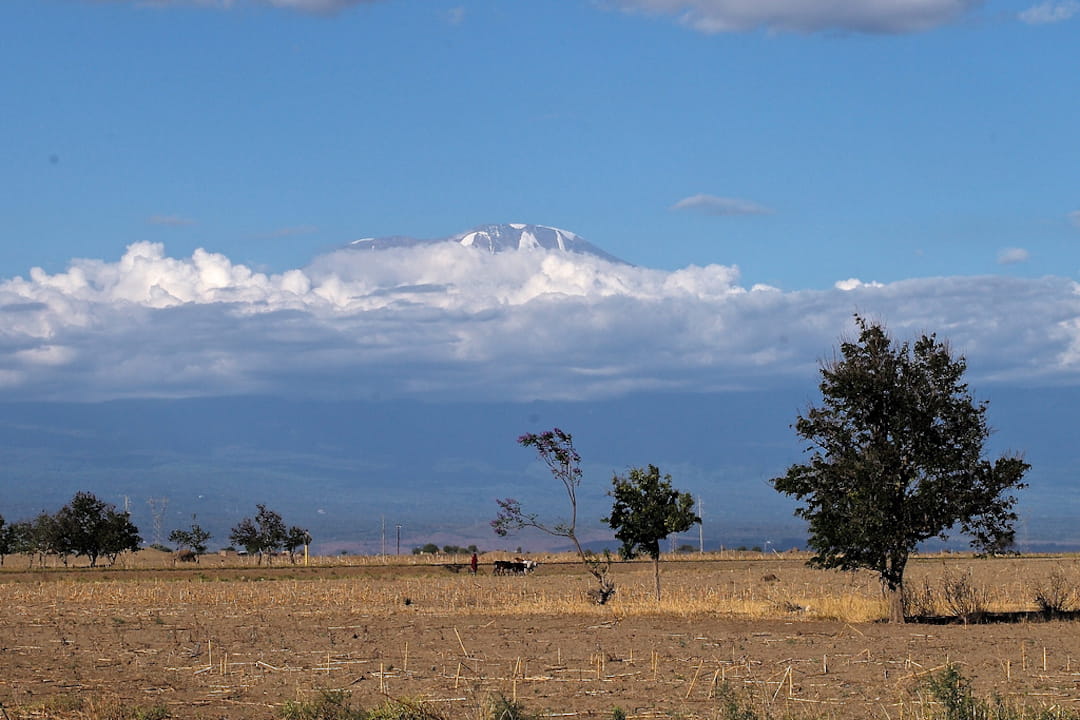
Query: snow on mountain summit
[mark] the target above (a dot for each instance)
(497, 239)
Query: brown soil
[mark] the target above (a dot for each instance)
(170, 638)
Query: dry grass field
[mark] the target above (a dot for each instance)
(230, 640)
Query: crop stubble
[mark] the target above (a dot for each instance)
(238, 642)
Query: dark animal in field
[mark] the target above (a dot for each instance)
(514, 567)
(185, 556)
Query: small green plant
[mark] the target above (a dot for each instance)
(327, 705)
(503, 709)
(158, 711)
(731, 707)
(617, 713)
(953, 691)
(63, 704)
(405, 709)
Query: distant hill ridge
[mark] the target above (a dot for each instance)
(497, 239)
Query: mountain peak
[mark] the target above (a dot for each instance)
(495, 238)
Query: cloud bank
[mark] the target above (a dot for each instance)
(867, 16)
(723, 16)
(449, 322)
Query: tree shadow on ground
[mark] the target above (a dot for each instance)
(990, 618)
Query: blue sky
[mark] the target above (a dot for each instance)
(271, 134)
(769, 167)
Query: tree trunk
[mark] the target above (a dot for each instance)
(656, 575)
(895, 597)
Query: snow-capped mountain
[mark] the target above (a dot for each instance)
(498, 238)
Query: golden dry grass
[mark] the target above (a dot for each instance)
(748, 586)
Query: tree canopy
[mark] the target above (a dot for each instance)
(896, 458)
(91, 527)
(195, 538)
(267, 534)
(645, 510)
(263, 535)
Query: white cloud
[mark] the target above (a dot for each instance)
(1013, 256)
(714, 205)
(450, 322)
(1074, 218)
(1049, 12)
(869, 16)
(855, 284)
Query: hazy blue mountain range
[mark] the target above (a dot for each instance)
(346, 469)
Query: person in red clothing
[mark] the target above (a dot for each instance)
(472, 564)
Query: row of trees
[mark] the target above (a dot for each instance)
(91, 528)
(433, 549)
(264, 535)
(86, 527)
(896, 458)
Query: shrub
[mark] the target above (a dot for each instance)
(1055, 595)
(963, 598)
(920, 601)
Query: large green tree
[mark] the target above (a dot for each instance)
(646, 509)
(93, 528)
(897, 458)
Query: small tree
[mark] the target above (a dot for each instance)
(897, 459)
(264, 535)
(646, 509)
(295, 538)
(91, 527)
(556, 449)
(23, 539)
(8, 539)
(195, 538)
(41, 537)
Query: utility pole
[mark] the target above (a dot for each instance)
(383, 551)
(398, 540)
